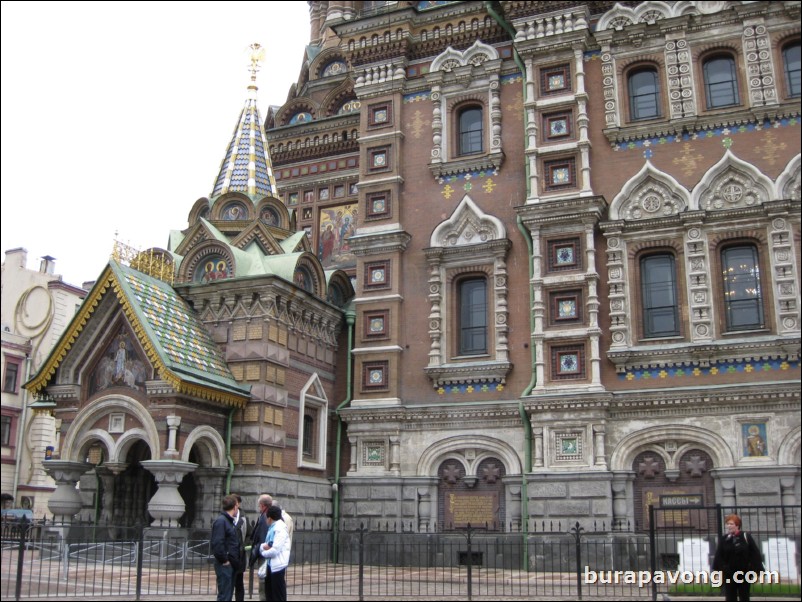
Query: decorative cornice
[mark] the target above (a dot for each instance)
(476, 372)
(320, 320)
(379, 242)
(754, 213)
(332, 149)
(425, 417)
(662, 131)
(563, 210)
(489, 162)
(665, 356)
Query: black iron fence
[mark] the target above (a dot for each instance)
(550, 560)
(683, 542)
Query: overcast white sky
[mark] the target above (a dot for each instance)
(116, 115)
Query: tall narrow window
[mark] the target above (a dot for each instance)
(721, 82)
(5, 431)
(11, 377)
(473, 316)
(743, 298)
(659, 292)
(643, 94)
(470, 131)
(791, 67)
(309, 434)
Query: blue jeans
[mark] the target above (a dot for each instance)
(225, 581)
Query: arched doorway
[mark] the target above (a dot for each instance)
(682, 483)
(476, 499)
(133, 488)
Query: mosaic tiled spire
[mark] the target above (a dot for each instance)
(246, 167)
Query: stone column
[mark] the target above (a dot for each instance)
(210, 487)
(788, 497)
(598, 445)
(65, 502)
(424, 509)
(514, 505)
(107, 473)
(41, 433)
(167, 505)
(537, 460)
(395, 455)
(173, 423)
(352, 466)
(727, 493)
(620, 486)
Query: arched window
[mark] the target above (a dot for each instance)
(643, 94)
(743, 298)
(791, 68)
(472, 316)
(303, 278)
(470, 131)
(659, 296)
(721, 82)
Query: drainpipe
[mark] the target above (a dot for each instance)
(527, 424)
(350, 318)
(229, 459)
(21, 429)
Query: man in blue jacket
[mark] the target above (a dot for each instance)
(226, 549)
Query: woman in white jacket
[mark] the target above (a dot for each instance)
(276, 549)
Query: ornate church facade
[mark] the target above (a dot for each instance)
(533, 258)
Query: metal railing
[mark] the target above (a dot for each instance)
(551, 560)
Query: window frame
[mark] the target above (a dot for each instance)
(313, 403)
(727, 289)
(17, 364)
(733, 82)
(468, 324)
(6, 429)
(632, 96)
(461, 131)
(787, 74)
(648, 308)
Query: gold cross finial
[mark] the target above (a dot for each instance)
(256, 54)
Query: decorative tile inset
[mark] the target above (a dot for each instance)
(568, 446)
(374, 453)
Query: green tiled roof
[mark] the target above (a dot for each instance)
(177, 336)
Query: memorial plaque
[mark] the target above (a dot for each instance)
(475, 507)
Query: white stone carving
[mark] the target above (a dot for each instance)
(649, 193)
(731, 184)
(788, 182)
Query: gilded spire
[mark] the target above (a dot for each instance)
(246, 167)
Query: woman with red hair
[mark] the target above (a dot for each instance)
(737, 551)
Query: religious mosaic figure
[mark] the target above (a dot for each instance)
(755, 442)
